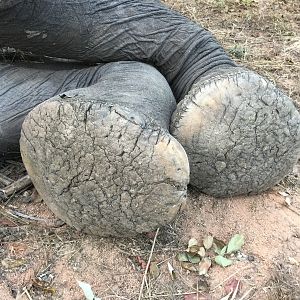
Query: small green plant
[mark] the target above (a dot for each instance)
(198, 258)
(238, 51)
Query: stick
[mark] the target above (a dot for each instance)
(26, 219)
(5, 180)
(16, 186)
(247, 293)
(148, 264)
(27, 293)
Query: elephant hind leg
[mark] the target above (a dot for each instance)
(240, 132)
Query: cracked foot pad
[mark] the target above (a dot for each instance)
(240, 132)
(104, 169)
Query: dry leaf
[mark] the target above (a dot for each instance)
(189, 266)
(219, 246)
(171, 271)
(288, 201)
(192, 242)
(201, 251)
(204, 266)
(153, 270)
(284, 194)
(208, 242)
(193, 246)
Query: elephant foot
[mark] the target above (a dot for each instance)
(102, 168)
(240, 132)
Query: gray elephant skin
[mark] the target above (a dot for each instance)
(240, 132)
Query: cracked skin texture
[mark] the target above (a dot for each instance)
(103, 168)
(241, 133)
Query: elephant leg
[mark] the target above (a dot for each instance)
(240, 132)
(102, 157)
(253, 125)
(24, 86)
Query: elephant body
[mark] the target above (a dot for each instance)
(105, 31)
(24, 86)
(189, 57)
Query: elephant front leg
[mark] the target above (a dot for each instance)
(102, 157)
(241, 133)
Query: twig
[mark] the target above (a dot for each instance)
(236, 290)
(27, 293)
(247, 293)
(16, 186)
(292, 209)
(168, 295)
(148, 264)
(5, 180)
(26, 219)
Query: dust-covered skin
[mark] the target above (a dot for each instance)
(186, 54)
(241, 133)
(101, 166)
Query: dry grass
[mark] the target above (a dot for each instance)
(284, 284)
(262, 35)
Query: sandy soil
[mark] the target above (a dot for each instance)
(39, 261)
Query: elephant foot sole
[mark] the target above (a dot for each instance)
(104, 169)
(240, 132)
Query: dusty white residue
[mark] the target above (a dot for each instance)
(33, 33)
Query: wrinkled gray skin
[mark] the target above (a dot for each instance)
(113, 30)
(241, 137)
(102, 158)
(24, 86)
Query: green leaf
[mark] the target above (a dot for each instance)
(194, 259)
(223, 250)
(223, 261)
(220, 251)
(182, 256)
(236, 243)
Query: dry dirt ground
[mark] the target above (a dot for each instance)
(40, 261)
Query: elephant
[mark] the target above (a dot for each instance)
(96, 143)
(25, 85)
(240, 132)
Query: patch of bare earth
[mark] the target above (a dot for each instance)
(40, 261)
